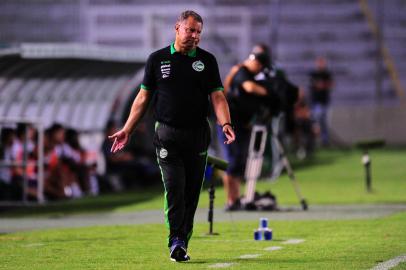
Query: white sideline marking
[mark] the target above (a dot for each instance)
(390, 263)
(221, 265)
(34, 245)
(250, 256)
(293, 241)
(272, 248)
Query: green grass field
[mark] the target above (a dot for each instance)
(332, 177)
(356, 244)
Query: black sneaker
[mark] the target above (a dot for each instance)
(178, 251)
(235, 206)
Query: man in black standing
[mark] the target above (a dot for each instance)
(245, 96)
(321, 82)
(182, 77)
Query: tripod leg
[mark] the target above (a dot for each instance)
(254, 161)
(251, 183)
(291, 175)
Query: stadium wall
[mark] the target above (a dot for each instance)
(350, 125)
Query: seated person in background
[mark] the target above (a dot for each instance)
(77, 159)
(61, 180)
(11, 176)
(26, 141)
(26, 132)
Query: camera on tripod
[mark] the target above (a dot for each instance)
(282, 95)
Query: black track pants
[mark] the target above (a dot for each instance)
(182, 157)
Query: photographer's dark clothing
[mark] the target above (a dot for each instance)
(320, 95)
(236, 153)
(243, 108)
(243, 105)
(181, 85)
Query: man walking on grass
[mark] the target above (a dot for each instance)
(183, 77)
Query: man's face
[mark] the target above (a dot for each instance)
(188, 33)
(255, 66)
(59, 136)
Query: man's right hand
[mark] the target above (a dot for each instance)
(120, 140)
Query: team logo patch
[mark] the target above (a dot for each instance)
(163, 153)
(198, 65)
(165, 69)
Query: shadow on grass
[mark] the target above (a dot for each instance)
(198, 262)
(101, 203)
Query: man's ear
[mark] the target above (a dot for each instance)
(177, 26)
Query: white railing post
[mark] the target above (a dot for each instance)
(40, 164)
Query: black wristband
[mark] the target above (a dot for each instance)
(228, 124)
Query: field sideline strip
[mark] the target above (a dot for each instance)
(390, 263)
